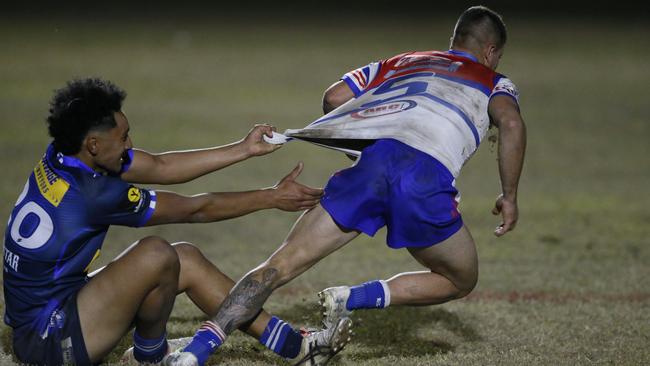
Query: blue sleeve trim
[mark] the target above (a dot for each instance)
(352, 85)
(504, 93)
(150, 209)
(127, 164)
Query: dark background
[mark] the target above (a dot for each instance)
(300, 10)
(567, 287)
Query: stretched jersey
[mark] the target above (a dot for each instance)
(436, 102)
(56, 231)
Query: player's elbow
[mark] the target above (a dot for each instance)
(512, 124)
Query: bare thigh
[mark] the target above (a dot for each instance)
(109, 303)
(314, 236)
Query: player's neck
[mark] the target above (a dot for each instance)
(88, 160)
(468, 51)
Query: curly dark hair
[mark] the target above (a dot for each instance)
(79, 107)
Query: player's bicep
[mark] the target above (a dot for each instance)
(173, 208)
(336, 95)
(143, 168)
(504, 109)
(115, 202)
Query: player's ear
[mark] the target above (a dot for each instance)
(91, 144)
(491, 55)
(490, 52)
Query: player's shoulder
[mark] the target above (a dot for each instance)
(409, 54)
(503, 86)
(87, 184)
(504, 83)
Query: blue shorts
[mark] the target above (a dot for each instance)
(395, 185)
(63, 343)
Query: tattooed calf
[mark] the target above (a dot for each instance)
(246, 299)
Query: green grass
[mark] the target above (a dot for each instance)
(568, 287)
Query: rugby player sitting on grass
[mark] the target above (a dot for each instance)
(81, 186)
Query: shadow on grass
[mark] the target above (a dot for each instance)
(378, 333)
(395, 331)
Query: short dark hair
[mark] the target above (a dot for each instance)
(479, 24)
(79, 107)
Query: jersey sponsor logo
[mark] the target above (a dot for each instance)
(134, 194)
(51, 186)
(11, 260)
(133, 199)
(384, 109)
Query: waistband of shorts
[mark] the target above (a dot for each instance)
(421, 154)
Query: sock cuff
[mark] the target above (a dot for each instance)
(384, 285)
(205, 341)
(149, 350)
(214, 329)
(140, 340)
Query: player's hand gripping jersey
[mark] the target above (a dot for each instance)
(56, 230)
(436, 102)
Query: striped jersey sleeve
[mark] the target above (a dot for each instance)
(359, 79)
(505, 86)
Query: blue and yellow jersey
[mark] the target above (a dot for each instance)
(56, 231)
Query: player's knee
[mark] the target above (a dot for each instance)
(191, 259)
(466, 286)
(188, 252)
(159, 255)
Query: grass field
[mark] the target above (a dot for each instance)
(568, 287)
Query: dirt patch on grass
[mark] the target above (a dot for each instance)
(556, 297)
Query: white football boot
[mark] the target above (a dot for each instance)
(332, 301)
(319, 346)
(172, 346)
(179, 358)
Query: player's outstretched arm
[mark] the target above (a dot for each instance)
(183, 166)
(336, 95)
(287, 195)
(504, 113)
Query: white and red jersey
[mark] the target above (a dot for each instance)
(436, 102)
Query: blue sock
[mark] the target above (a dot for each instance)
(280, 338)
(369, 295)
(206, 340)
(149, 350)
